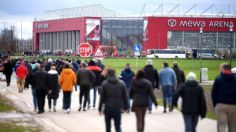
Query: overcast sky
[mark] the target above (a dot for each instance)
(12, 12)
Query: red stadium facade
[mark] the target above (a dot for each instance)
(156, 33)
(158, 28)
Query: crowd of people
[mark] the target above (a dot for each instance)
(48, 78)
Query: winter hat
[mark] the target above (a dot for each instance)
(149, 62)
(191, 76)
(233, 70)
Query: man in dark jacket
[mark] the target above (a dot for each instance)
(179, 74)
(48, 65)
(194, 103)
(224, 99)
(113, 95)
(33, 87)
(41, 85)
(127, 75)
(153, 77)
(97, 72)
(29, 68)
(86, 79)
(8, 69)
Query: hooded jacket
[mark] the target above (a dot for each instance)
(113, 94)
(67, 79)
(224, 89)
(193, 98)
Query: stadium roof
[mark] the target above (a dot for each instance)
(189, 10)
(149, 9)
(96, 10)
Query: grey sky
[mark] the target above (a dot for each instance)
(33, 7)
(12, 12)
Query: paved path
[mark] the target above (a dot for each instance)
(90, 121)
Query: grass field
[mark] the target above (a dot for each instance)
(185, 64)
(18, 126)
(6, 105)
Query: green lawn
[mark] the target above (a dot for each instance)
(185, 64)
(6, 105)
(15, 126)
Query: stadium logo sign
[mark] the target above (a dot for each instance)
(42, 26)
(172, 22)
(191, 23)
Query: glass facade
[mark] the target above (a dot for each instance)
(195, 40)
(122, 32)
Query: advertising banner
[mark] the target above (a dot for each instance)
(93, 31)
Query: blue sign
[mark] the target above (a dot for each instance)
(137, 48)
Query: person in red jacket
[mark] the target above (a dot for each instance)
(21, 73)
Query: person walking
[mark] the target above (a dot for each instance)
(53, 88)
(33, 87)
(21, 73)
(224, 99)
(41, 85)
(179, 74)
(8, 70)
(67, 80)
(127, 75)
(48, 64)
(168, 82)
(152, 76)
(75, 68)
(102, 78)
(97, 72)
(141, 91)
(85, 79)
(193, 104)
(29, 69)
(114, 98)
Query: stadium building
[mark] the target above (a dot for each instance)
(65, 29)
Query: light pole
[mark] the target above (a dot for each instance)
(201, 31)
(231, 30)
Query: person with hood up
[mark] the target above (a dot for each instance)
(224, 99)
(127, 75)
(193, 104)
(67, 80)
(53, 88)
